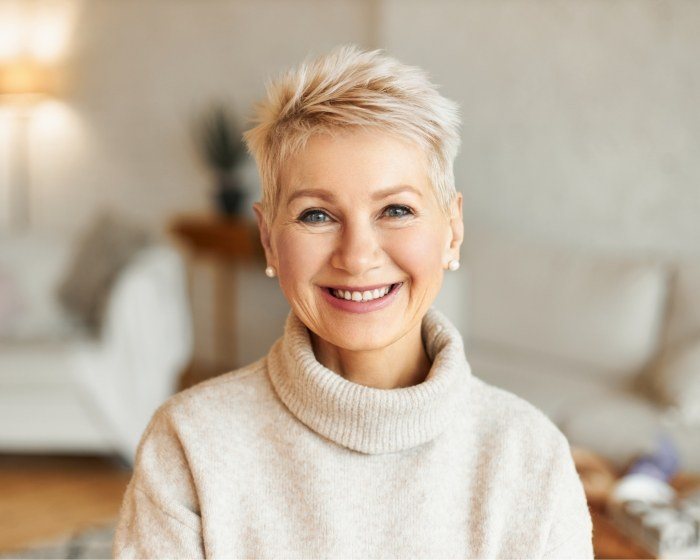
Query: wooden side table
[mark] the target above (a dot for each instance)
(227, 242)
(608, 540)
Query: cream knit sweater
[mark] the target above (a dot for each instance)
(286, 459)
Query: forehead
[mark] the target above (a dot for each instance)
(355, 164)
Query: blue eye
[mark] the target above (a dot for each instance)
(313, 217)
(398, 211)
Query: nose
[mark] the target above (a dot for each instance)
(359, 249)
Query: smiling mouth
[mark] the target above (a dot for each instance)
(363, 295)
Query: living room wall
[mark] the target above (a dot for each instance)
(581, 120)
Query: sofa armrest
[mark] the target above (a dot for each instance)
(148, 319)
(146, 341)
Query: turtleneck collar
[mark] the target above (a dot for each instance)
(368, 419)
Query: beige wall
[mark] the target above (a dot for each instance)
(581, 120)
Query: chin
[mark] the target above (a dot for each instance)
(360, 337)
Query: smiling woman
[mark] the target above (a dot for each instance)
(363, 432)
(376, 225)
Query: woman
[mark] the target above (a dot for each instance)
(363, 432)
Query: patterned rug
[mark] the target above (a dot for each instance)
(95, 542)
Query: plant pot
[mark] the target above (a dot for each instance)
(229, 201)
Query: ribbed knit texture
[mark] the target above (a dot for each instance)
(364, 418)
(286, 459)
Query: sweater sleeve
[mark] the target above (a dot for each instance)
(571, 533)
(159, 516)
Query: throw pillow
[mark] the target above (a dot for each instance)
(676, 381)
(101, 253)
(10, 302)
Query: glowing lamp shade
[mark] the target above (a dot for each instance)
(24, 78)
(23, 81)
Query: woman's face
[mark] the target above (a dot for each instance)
(357, 217)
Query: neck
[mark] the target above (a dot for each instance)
(402, 364)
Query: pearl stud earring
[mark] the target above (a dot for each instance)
(453, 265)
(270, 272)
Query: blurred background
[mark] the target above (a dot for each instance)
(130, 266)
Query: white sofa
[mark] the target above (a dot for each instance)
(580, 335)
(62, 390)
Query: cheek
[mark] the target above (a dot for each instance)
(300, 257)
(419, 254)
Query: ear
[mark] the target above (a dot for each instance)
(265, 235)
(456, 227)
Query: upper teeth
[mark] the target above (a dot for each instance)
(367, 295)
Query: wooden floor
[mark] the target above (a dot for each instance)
(42, 497)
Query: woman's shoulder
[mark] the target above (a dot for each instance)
(498, 410)
(203, 415)
(235, 390)
(234, 380)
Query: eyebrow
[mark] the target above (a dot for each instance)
(329, 196)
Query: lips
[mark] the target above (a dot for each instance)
(361, 300)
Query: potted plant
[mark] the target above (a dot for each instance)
(221, 147)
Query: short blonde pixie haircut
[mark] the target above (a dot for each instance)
(350, 88)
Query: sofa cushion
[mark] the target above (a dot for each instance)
(683, 320)
(554, 386)
(675, 381)
(30, 265)
(50, 418)
(26, 365)
(100, 253)
(623, 425)
(601, 311)
(11, 301)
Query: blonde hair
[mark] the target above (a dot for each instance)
(347, 88)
